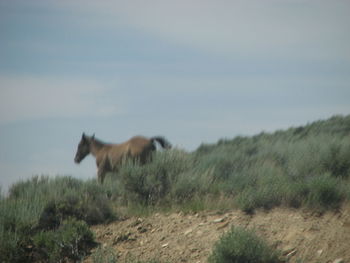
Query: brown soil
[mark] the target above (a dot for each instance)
(176, 237)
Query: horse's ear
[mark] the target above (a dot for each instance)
(83, 137)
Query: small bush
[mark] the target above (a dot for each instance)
(336, 160)
(296, 193)
(242, 246)
(325, 192)
(184, 188)
(264, 188)
(72, 241)
(40, 206)
(104, 255)
(45, 186)
(13, 246)
(92, 212)
(17, 222)
(150, 183)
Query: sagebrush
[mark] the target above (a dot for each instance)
(242, 246)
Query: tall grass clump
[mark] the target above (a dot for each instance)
(325, 192)
(55, 211)
(104, 255)
(172, 179)
(242, 246)
(151, 184)
(70, 242)
(64, 197)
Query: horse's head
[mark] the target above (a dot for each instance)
(83, 148)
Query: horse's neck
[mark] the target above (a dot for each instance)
(96, 146)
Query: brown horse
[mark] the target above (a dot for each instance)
(110, 156)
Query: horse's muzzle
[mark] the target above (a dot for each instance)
(77, 160)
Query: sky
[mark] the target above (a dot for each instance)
(192, 71)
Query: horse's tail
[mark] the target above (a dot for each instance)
(162, 141)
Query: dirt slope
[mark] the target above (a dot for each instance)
(176, 237)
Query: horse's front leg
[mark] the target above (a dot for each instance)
(102, 169)
(101, 174)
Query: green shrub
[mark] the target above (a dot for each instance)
(44, 186)
(71, 241)
(336, 160)
(104, 255)
(262, 197)
(17, 222)
(221, 164)
(325, 192)
(14, 245)
(242, 246)
(150, 183)
(184, 187)
(52, 200)
(296, 193)
(41, 205)
(264, 187)
(92, 210)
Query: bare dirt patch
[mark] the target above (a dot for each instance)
(178, 237)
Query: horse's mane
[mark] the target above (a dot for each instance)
(98, 143)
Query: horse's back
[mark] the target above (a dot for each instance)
(137, 147)
(139, 141)
(137, 144)
(140, 147)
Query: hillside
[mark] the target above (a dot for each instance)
(337, 126)
(301, 173)
(178, 237)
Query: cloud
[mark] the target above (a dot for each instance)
(28, 97)
(112, 33)
(267, 29)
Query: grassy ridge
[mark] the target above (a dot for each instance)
(306, 167)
